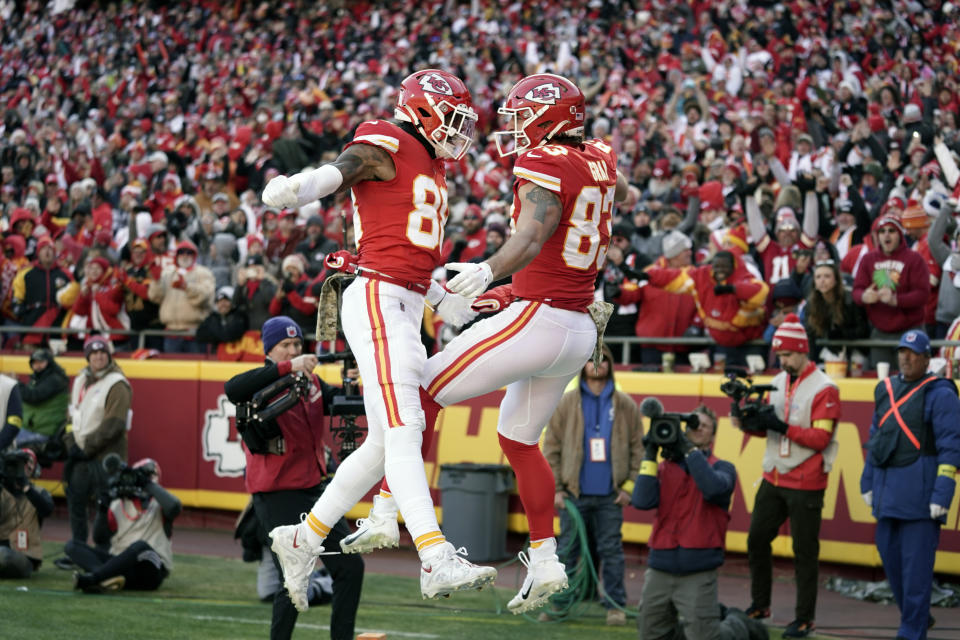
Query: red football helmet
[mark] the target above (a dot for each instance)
(439, 105)
(539, 107)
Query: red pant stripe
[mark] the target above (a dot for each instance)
(381, 354)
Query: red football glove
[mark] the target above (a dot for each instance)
(496, 299)
(341, 261)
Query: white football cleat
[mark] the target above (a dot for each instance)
(377, 531)
(546, 575)
(297, 560)
(449, 572)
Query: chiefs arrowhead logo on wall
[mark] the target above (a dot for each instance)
(225, 452)
(547, 93)
(435, 84)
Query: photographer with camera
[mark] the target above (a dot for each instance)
(691, 490)
(99, 409)
(11, 408)
(798, 422)
(135, 518)
(22, 510)
(280, 416)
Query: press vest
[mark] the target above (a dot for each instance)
(800, 405)
(19, 514)
(890, 446)
(134, 524)
(6, 386)
(87, 405)
(681, 503)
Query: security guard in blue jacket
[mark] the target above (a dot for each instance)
(908, 477)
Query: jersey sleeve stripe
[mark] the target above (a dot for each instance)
(546, 181)
(389, 143)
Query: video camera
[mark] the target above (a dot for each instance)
(346, 408)
(739, 388)
(256, 419)
(13, 471)
(124, 481)
(665, 427)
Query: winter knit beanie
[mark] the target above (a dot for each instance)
(276, 329)
(791, 336)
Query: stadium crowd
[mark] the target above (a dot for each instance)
(812, 145)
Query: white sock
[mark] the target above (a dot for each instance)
(408, 482)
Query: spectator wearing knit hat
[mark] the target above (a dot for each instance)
(99, 411)
(286, 238)
(100, 305)
(800, 451)
(298, 295)
(143, 312)
(893, 284)
(42, 292)
(185, 295)
(224, 325)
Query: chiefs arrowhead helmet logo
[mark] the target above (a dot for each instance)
(435, 84)
(547, 93)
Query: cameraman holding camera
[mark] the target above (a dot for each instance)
(22, 510)
(691, 490)
(135, 518)
(798, 422)
(99, 407)
(285, 461)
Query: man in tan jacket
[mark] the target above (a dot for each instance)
(594, 446)
(185, 295)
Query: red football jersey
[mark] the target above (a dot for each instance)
(585, 179)
(399, 224)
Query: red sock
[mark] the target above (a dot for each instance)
(534, 484)
(431, 410)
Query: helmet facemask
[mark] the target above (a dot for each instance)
(453, 136)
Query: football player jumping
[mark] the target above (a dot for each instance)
(564, 191)
(396, 171)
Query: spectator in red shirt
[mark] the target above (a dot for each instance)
(893, 284)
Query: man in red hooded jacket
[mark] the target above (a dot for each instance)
(893, 284)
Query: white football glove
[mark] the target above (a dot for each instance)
(868, 498)
(936, 511)
(281, 192)
(473, 279)
(455, 310)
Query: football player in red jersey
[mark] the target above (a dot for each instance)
(396, 172)
(563, 195)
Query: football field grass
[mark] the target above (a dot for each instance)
(208, 597)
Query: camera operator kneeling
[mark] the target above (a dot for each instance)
(691, 491)
(22, 510)
(135, 517)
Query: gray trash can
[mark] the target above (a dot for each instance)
(474, 499)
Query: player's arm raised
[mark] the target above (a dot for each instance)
(355, 164)
(539, 216)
